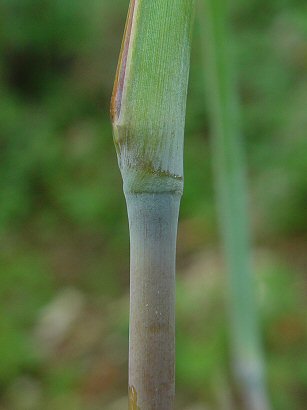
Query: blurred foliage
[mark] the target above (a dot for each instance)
(63, 220)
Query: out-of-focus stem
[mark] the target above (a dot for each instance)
(231, 187)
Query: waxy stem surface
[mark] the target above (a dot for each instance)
(148, 114)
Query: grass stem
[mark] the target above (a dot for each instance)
(231, 187)
(148, 114)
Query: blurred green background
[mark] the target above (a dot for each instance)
(64, 259)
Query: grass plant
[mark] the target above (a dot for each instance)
(148, 113)
(231, 189)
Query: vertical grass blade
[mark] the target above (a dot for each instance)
(148, 115)
(229, 166)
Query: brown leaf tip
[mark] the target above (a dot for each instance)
(133, 398)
